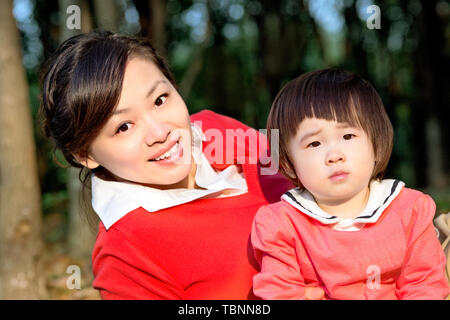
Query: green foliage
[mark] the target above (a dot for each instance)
(239, 53)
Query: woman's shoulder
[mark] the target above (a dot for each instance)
(134, 227)
(130, 224)
(211, 119)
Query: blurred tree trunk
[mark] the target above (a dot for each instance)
(355, 52)
(107, 15)
(431, 111)
(153, 18)
(44, 9)
(80, 238)
(86, 18)
(283, 41)
(282, 45)
(20, 201)
(196, 65)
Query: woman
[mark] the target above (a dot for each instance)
(176, 204)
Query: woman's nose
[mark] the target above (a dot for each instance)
(156, 131)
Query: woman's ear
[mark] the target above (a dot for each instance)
(86, 161)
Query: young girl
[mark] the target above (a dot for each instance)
(343, 228)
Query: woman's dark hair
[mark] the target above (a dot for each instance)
(81, 86)
(331, 94)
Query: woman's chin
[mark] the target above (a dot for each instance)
(176, 178)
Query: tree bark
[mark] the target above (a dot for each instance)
(431, 112)
(153, 18)
(107, 15)
(80, 238)
(158, 25)
(20, 200)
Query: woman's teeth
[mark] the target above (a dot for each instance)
(168, 153)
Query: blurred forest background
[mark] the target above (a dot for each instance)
(230, 56)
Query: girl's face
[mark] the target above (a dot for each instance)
(332, 160)
(147, 140)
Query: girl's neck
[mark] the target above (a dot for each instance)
(347, 209)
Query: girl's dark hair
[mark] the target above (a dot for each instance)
(81, 86)
(331, 94)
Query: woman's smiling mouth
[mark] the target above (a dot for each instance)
(169, 155)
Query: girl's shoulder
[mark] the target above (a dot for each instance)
(414, 200)
(414, 208)
(278, 212)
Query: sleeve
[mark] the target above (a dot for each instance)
(123, 272)
(280, 276)
(422, 275)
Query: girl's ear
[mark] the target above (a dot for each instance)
(86, 161)
(289, 171)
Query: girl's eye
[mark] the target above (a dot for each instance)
(161, 100)
(348, 136)
(124, 127)
(313, 144)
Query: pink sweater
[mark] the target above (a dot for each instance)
(398, 257)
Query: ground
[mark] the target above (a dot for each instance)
(60, 267)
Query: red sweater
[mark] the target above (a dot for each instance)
(197, 250)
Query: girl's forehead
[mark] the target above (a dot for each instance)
(308, 123)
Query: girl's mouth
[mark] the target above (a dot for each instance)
(339, 176)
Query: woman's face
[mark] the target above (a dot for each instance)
(147, 140)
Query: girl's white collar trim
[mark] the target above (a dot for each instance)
(382, 193)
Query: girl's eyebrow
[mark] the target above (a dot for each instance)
(310, 134)
(343, 125)
(149, 93)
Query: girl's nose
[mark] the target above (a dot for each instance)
(156, 131)
(335, 156)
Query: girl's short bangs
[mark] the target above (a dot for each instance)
(340, 102)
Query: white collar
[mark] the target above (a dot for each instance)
(112, 200)
(382, 193)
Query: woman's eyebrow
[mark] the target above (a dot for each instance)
(153, 88)
(119, 111)
(149, 93)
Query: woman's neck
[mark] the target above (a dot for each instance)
(186, 183)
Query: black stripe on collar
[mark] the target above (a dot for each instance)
(393, 188)
(295, 200)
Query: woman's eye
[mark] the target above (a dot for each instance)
(124, 127)
(348, 136)
(314, 144)
(160, 100)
